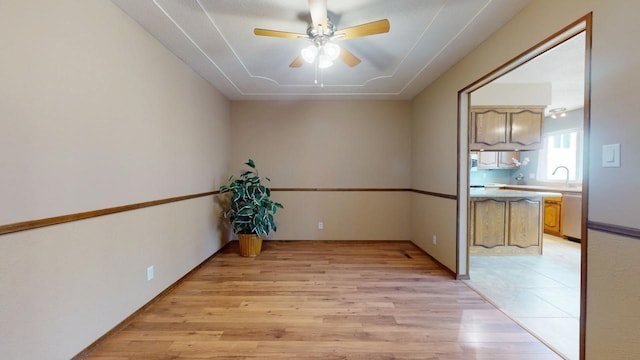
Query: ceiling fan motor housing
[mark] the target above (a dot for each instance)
(317, 31)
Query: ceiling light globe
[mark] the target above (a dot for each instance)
(309, 53)
(324, 61)
(332, 51)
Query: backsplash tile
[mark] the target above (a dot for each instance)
(481, 177)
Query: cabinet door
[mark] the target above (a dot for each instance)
(488, 223)
(488, 128)
(525, 128)
(552, 217)
(525, 228)
(505, 159)
(487, 160)
(497, 159)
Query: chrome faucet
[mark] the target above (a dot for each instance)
(566, 181)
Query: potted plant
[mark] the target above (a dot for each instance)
(251, 210)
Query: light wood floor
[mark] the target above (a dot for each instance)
(323, 300)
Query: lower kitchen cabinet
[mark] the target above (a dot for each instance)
(553, 216)
(524, 224)
(506, 226)
(488, 223)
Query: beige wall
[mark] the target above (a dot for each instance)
(435, 216)
(332, 144)
(346, 215)
(95, 113)
(434, 152)
(613, 302)
(613, 297)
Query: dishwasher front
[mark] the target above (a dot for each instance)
(572, 216)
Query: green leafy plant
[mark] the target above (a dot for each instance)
(251, 210)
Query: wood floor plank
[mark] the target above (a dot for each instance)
(322, 300)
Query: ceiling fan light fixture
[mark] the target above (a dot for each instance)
(558, 112)
(325, 53)
(331, 50)
(324, 61)
(309, 53)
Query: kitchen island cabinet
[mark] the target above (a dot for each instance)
(506, 222)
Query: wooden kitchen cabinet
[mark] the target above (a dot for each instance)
(488, 128)
(524, 223)
(501, 226)
(553, 216)
(488, 223)
(506, 127)
(497, 159)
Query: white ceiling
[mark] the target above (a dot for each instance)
(215, 38)
(563, 67)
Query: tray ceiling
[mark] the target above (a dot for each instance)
(215, 38)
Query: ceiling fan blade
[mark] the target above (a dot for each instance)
(279, 34)
(318, 12)
(372, 28)
(348, 58)
(297, 62)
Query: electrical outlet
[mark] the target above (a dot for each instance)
(435, 239)
(320, 225)
(150, 273)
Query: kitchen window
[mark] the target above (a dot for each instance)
(561, 148)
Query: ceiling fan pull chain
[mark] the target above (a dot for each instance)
(315, 68)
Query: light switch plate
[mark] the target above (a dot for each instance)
(611, 155)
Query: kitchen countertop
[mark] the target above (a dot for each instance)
(560, 189)
(502, 193)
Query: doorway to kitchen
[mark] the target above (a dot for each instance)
(544, 292)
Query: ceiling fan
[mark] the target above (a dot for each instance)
(322, 32)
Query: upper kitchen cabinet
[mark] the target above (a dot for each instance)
(506, 127)
(488, 160)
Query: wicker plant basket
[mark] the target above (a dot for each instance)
(250, 244)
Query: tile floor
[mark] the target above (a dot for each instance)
(541, 293)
